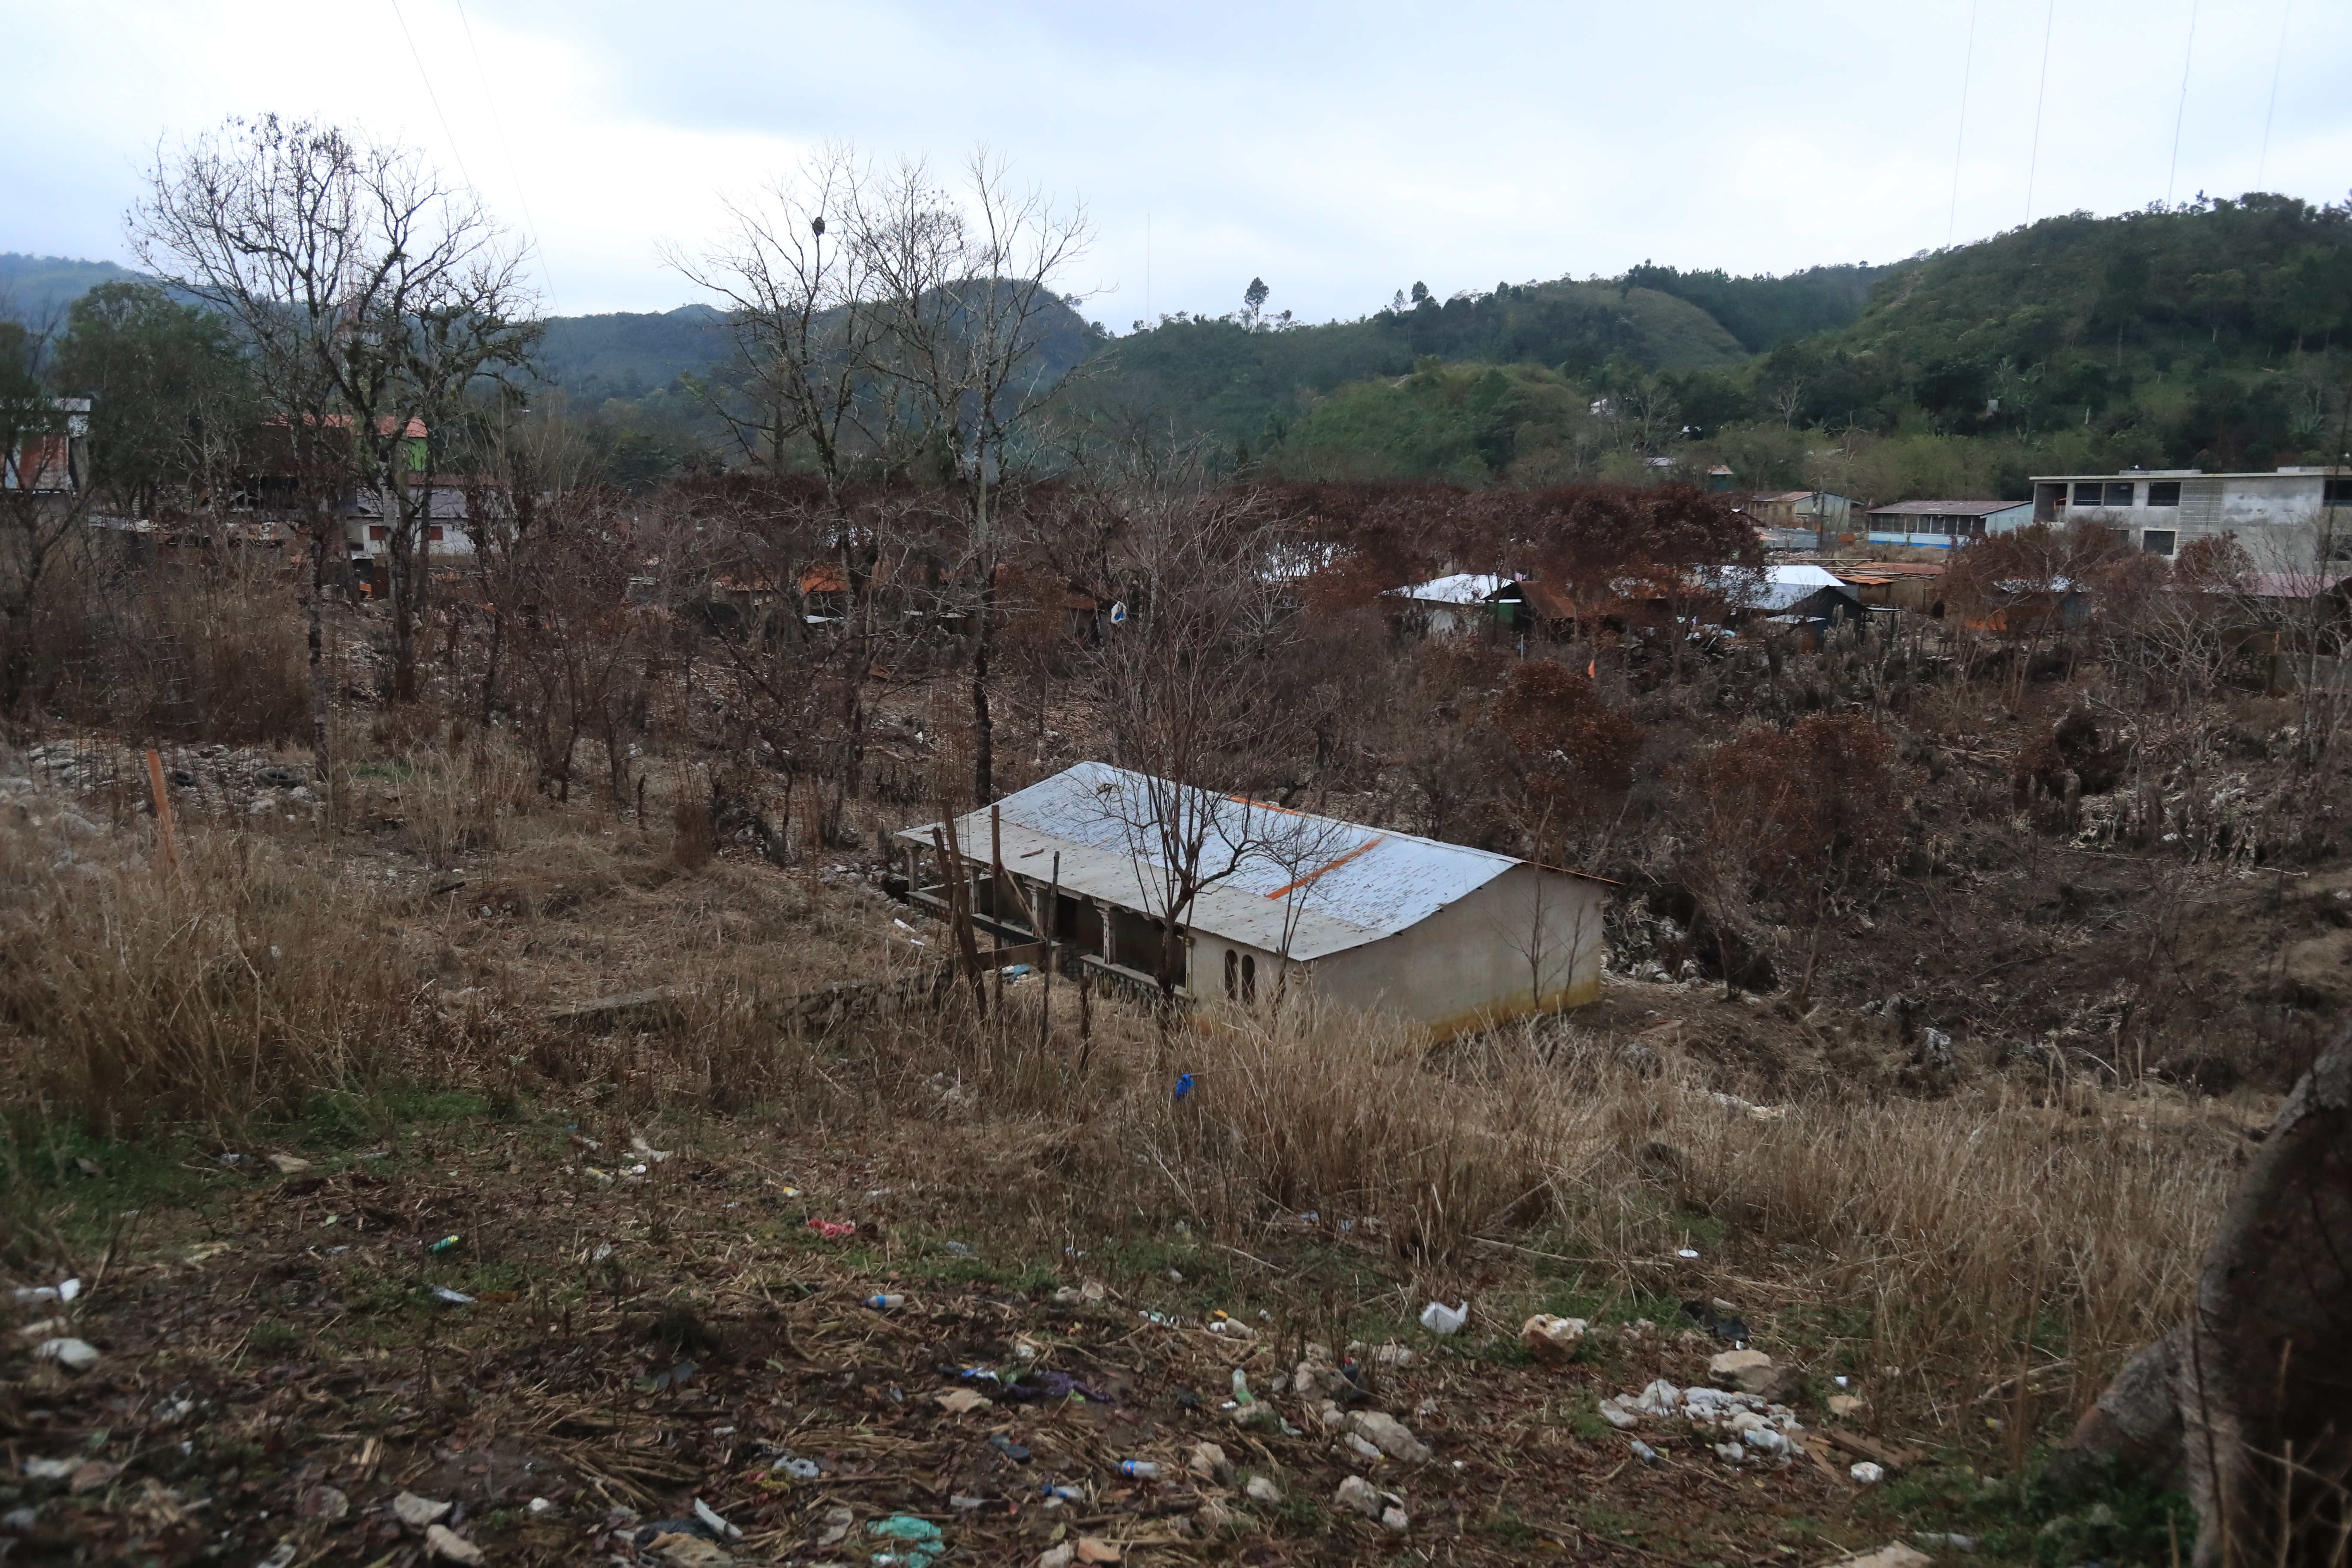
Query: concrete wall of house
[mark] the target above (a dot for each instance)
(1208, 969)
(1469, 963)
(2273, 515)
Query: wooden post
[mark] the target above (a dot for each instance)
(996, 899)
(1044, 927)
(960, 920)
(164, 832)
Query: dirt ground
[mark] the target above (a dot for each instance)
(647, 1330)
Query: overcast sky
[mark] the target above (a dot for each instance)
(1340, 151)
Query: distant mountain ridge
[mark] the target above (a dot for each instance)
(36, 289)
(1656, 316)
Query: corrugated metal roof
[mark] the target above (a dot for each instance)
(1774, 589)
(1461, 588)
(1947, 507)
(1337, 884)
(2292, 585)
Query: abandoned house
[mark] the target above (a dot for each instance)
(1445, 605)
(1440, 935)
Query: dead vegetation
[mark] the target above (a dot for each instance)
(1932, 1064)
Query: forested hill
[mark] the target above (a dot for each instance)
(1245, 383)
(2216, 333)
(37, 289)
(2197, 325)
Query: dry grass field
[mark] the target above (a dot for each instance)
(255, 1091)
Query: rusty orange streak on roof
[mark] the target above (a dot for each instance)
(1291, 888)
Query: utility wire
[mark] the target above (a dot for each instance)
(2182, 113)
(506, 147)
(1959, 139)
(2041, 95)
(2262, 165)
(430, 96)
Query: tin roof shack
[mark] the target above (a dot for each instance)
(1943, 524)
(2274, 515)
(1445, 605)
(1818, 513)
(1915, 586)
(2024, 607)
(2310, 610)
(1439, 934)
(1810, 597)
(1526, 604)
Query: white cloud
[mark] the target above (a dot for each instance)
(1340, 152)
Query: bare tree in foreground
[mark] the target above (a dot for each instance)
(367, 294)
(1187, 685)
(43, 496)
(966, 276)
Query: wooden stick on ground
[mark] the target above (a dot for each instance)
(163, 830)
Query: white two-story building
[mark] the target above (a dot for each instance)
(2281, 517)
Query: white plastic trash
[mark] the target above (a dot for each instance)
(1442, 1320)
(1868, 1474)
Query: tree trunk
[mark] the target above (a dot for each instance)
(983, 728)
(315, 637)
(2252, 1398)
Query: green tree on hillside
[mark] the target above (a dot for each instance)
(170, 394)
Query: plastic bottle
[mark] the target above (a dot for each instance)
(1140, 1469)
(885, 1303)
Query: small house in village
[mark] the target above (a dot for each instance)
(1439, 934)
(1807, 598)
(1945, 524)
(1808, 519)
(1446, 604)
(1915, 586)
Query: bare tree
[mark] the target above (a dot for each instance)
(1185, 682)
(1788, 399)
(458, 315)
(365, 289)
(967, 280)
(45, 494)
(810, 320)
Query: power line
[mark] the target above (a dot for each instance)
(430, 96)
(2188, 59)
(1968, 68)
(506, 147)
(2262, 165)
(2041, 95)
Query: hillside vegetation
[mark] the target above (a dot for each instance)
(2211, 334)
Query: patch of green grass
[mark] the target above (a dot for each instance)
(2101, 1512)
(948, 1270)
(1584, 1420)
(1301, 1512)
(1506, 1528)
(270, 1337)
(1703, 1231)
(346, 1120)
